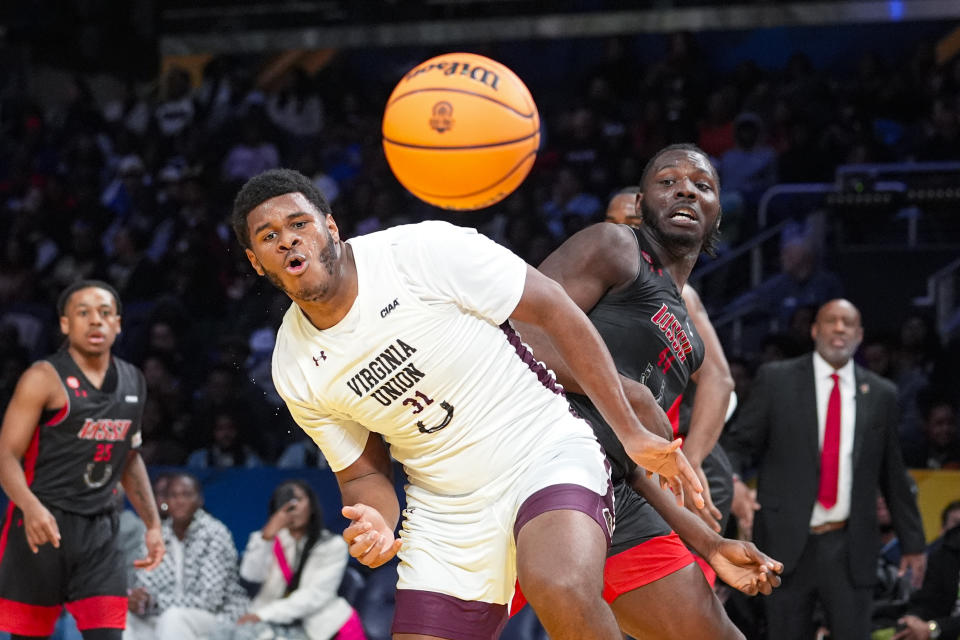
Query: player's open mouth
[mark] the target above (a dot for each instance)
(295, 263)
(96, 338)
(296, 266)
(683, 216)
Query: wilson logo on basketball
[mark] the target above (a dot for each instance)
(104, 429)
(463, 68)
(441, 120)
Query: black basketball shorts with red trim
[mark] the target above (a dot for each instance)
(86, 574)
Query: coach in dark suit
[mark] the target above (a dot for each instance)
(824, 432)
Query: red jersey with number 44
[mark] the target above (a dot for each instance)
(78, 453)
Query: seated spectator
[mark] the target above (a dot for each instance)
(227, 449)
(933, 611)
(750, 167)
(914, 360)
(891, 591)
(570, 208)
(196, 588)
(300, 454)
(176, 110)
(949, 518)
(939, 447)
(803, 282)
(299, 565)
(252, 154)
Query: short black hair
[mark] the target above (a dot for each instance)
(953, 506)
(189, 477)
(681, 146)
(64, 298)
(712, 240)
(267, 185)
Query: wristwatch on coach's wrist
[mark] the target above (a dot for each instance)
(934, 629)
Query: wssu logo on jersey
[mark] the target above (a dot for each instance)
(104, 429)
(673, 331)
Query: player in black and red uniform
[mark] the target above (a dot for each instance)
(629, 281)
(74, 422)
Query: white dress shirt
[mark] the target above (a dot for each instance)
(822, 371)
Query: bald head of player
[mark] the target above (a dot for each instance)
(622, 208)
(837, 332)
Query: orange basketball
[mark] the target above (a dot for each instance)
(461, 131)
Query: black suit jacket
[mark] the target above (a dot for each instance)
(778, 426)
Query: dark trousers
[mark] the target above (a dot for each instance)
(822, 575)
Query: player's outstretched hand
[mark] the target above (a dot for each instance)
(371, 540)
(155, 550)
(745, 568)
(659, 456)
(41, 527)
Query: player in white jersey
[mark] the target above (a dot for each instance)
(402, 337)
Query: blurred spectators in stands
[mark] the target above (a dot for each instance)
(802, 282)
(914, 359)
(126, 177)
(227, 447)
(940, 446)
(949, 518)
(196, 588)
(298, 565)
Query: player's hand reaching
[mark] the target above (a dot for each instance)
(138, 600)
(745, 568)
(155, 550)
(41, 527)
(371, 541)
(665, 458)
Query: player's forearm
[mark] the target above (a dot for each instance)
(714, 385)
(544, 351)
(581, 348)
(707, 417)
(374, 490)
(691, 529)
(641, 400)
(646, 408)
(136, 483)
(14, 482)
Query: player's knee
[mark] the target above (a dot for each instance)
(715, 623)
(561, 590)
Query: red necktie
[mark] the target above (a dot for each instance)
(830, 456)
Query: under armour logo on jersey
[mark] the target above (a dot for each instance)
(316, 360)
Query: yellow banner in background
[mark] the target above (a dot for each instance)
(936, 489)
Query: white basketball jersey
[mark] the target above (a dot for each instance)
(422, 358)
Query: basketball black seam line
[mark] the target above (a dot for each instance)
(487, 188)
(465, 92)
(409, 145)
